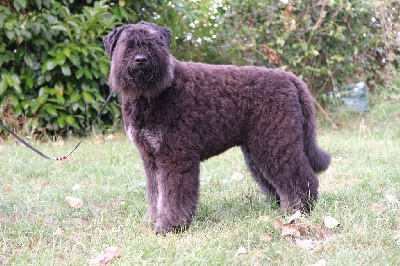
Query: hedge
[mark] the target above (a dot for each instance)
(54, 68)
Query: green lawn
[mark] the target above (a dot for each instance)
(361, 189)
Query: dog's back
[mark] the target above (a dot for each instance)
(237, 97)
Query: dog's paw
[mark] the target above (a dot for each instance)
(164, 226)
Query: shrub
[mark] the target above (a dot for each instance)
(327, 43)
(53, 64)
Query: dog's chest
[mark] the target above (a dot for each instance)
(143, 126)
(150, 139)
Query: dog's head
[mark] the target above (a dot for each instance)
(141, 64)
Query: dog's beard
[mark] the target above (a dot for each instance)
(140, 78)
(148, 80)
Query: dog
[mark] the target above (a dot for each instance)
(181, 113)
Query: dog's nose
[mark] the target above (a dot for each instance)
(140, 59)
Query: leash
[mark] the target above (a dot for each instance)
(59, 158)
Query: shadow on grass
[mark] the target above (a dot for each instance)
(228, 210)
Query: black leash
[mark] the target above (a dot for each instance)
(59, 158)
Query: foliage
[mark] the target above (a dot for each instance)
(391, 88)
(53, 67)
(387, 16)
(53, 64)
(327, 43)
(193, 23)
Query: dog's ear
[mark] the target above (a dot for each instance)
(111, 39)
(165, 34)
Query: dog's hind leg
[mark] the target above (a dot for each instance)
(288, 170)
(262, 181)
(275, 145)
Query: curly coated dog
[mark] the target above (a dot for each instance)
(181, 113)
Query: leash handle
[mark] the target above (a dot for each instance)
(59, 158)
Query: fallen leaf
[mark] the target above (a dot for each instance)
(322, 236)
(337, 159)
(265, 237)
(110, 253)
(237, 176)
(295, 216)
(264, 218)
(289, 230)
(391, 199)
(309, 244)
(330, 222)
(8, 189)
(241, 251)
(376, 207)
(59, 231)
(107, 255)
(76, 187)
(45, 184)
(74, 202)
(305, 243)
(321, 263)
(304, 230)
(278, 224)
(109, 137)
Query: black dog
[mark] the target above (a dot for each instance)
(180, 113)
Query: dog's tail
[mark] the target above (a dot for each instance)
(319, 159)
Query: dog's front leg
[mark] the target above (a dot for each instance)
(152, 189)
(177, 193)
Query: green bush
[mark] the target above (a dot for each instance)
(327, 43)
(53, 64)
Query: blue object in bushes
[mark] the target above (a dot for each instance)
(353, 97)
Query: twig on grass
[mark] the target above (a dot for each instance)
(334, 126)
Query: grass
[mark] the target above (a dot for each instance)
(355, 190)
